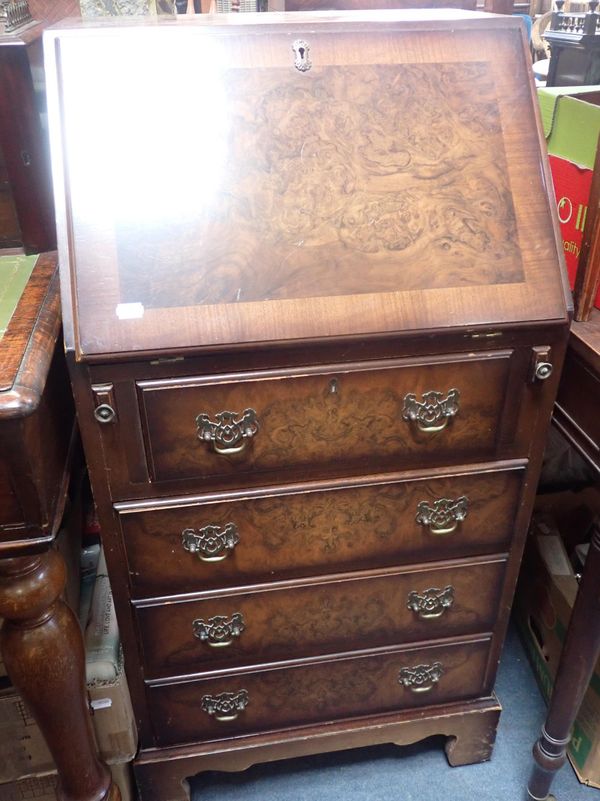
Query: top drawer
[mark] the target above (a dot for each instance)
(370, 416)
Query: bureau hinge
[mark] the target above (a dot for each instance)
(167, 360)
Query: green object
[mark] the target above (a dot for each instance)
(571, 121)
(580, 746)
(15, 272)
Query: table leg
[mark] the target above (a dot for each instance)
(42, 648)
(578, 660)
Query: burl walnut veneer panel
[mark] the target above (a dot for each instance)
(318, 417)
(309, 619)
(315, 529)
(321, 690)
(343, 185)
(330, 201)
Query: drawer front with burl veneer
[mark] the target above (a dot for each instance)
(347, 686)
(309, 619)
(368, 417)
(176, 546)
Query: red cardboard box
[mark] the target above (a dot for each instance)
(572, 185)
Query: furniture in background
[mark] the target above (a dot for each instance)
(26, 206)
(574, 39)
(27, 212)
(41, 641)
(576, 417)
(314, 365)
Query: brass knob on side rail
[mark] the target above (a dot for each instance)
(104, 413)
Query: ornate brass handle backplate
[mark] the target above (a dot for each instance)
(433, 412)
(431, 603)
(211, 543)
(225, 706)
(421, 678)
(219, 631)
(444, 515)
(230, 432)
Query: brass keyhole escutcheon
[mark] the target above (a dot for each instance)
(301, 59)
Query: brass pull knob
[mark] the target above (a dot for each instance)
(431, 603)
(219, 631)
(444, 515)
(543, 370)
(225, 706)
(433, 412)
(104, 413)
(231, 431)
(211, 543)
(421, 678)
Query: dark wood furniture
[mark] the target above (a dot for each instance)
(41, 642)
(27, 211)
(26, 207)
(576, 416)
(574, 40)
(314, 359)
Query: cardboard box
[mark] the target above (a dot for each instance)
(23, 751)
(43, 788)
(544, 601)
(571, 121)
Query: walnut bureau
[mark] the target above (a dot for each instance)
(315, 315)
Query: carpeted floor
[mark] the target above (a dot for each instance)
(414, 773)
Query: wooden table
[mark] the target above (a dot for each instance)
(576, 416)
(40, 639)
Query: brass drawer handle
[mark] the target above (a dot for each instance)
(230, 433)
(433, 412)
(225, 706)
(219, 631)
(431, 603)
(444, 515)
(421, 678)
(211, 543)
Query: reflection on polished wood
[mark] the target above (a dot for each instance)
(325, 202)
(345, 184)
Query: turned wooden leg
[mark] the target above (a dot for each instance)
(577, 662)
(42, 648)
